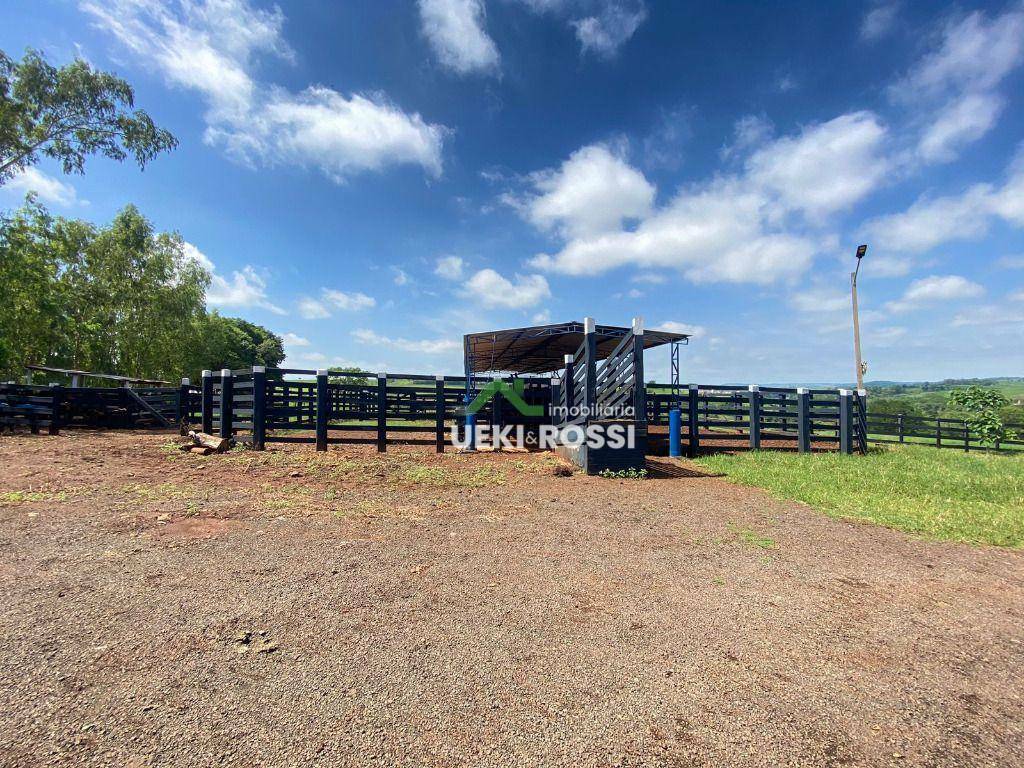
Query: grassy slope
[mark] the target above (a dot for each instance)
(934, 493)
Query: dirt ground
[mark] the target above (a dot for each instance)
(350, 608)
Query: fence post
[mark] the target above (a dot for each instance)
(323, 409)
(382, 412)
(803, 420)
(639, 387)
(183, 409)
(899, 426)
(58, 398)
(938, 431)
(675, 429)
(227, 391)
(967, 439)
(206, 403)
(568, 387)
(693, 419)
(439, 414)
(845, 427)
(590, 349)
(862, 420)
(259, 407)
(754, 428)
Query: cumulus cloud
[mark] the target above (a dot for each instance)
(450, 267)
(211, 46)
(930, 222)
(246, 288)
(348, 302)
(602, 27)
(428, 346)
(311, 309)
(954, 87)
(49, 189)
(879, 21)
(455, 31)
(827, 167)
(606, 31)
(593, 191)
(294, 340)
(491, 289)
(672, 326)
(935, 289)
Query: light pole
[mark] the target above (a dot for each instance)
(861, 250)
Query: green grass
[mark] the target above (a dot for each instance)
(933, 493)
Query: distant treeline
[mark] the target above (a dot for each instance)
(119, 298)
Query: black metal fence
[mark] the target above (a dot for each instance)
(937, 432)
(56, 406)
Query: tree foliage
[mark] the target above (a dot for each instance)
(121, 298)
(68, 114)
(982, 407)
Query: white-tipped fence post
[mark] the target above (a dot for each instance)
(569, 387)
(590, 360)
(639, 386)
(439, 414)
(803, 420)
(754, 420)
(183, 409)
(227, 391)
(259, 407)
(323, 409)
(382, 412)
(845, 427)
(206, 402)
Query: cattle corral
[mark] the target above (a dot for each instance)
(354, 607)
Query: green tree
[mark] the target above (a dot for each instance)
(982, 407)
(120, 298)
(230, 342)
(351, 376)
(68, 114)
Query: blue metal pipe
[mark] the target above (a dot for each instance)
(675, 433)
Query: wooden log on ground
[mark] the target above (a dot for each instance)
(218, 444)
(201, 450)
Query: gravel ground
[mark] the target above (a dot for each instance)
(287, 608)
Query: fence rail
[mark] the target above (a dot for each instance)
(937, 432)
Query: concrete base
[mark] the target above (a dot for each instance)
(593, 461)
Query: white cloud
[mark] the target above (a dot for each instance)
(313, 357)
(672, 326)
(401, 277)
(428, 346)
(930, 222)
(607, 31)
(953, 88)
(349, 302)
(1017, 295)
(49, 189)
(491, 289)
(991, 316)
(1011, 262)
(211, 45)
(311, 309)
(294, 340)
(959, 122)
(455, 30)
(933, 289)
(820, 301)
(601, 26)
(541, 318)
(879, 21)
(749, 131)
(245, 289)
(827, 167)
(592, 192)
(450, 267)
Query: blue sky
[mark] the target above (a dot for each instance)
(373, 180)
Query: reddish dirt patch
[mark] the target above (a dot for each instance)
(352, 608)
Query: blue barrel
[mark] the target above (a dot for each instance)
(675, 433)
